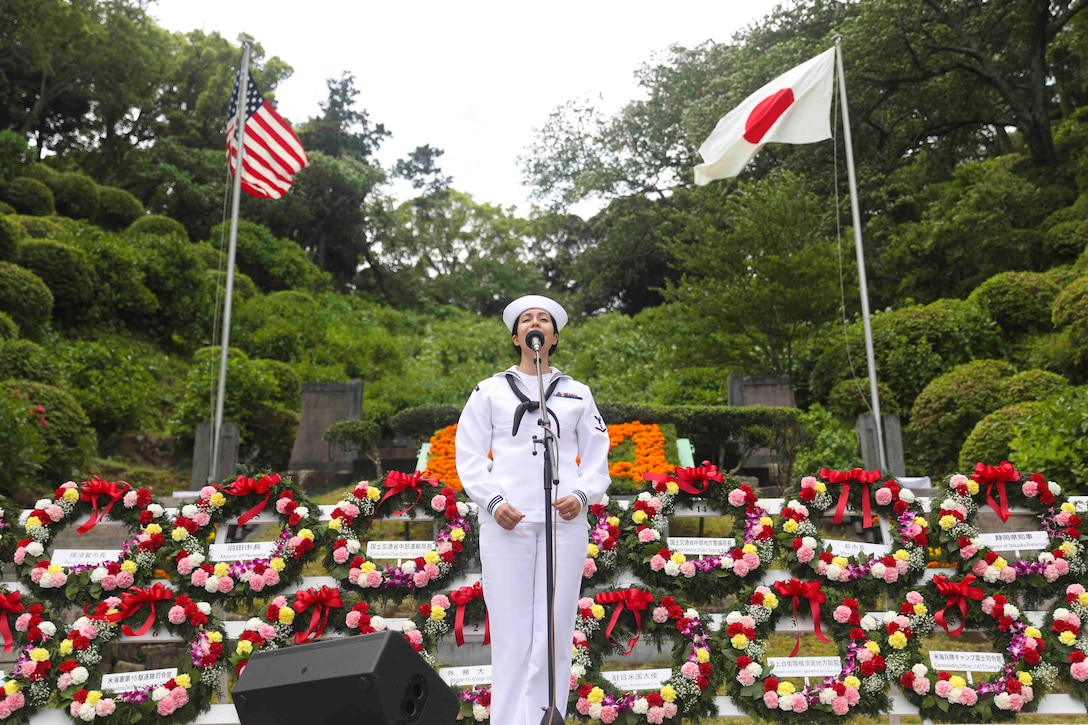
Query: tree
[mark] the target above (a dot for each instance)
(343, 132)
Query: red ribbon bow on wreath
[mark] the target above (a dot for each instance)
(461, 597)
(695, 480)
(322, 600)
(133, 601)
(12, 603)
(243, 486)
(397, 482)
(996, 476)
(637, 601)
(958, 593)
(799, 590)
(854, 475)
(92, 491)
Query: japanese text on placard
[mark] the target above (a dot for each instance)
(1013, 540)
(241, 551)
(466, 675)
(805, 666)
(638, 679)
(82, 557)
(967, 661)
(126, 681)
(695, 546)
(397, 549)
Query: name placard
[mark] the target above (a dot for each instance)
(966, 661)
(1014, 540)
(82, 557)
(241, 551)
(638, 679)
(397, 549)
(852, 548)
(696, 546)
(466, 675)
(143, 679)
(805, 666)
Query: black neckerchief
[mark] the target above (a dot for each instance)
(530, 405)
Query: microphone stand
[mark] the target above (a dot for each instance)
(547, 440)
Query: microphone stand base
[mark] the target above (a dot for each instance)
(551, 717)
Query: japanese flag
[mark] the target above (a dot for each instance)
(793, 108)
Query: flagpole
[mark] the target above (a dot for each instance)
(240, 131)
(854, 210)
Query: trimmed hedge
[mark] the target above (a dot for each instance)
(37, 227)
(991, 438)
(27, 360)
(28, 196)
(68, 273)
(158, 225)
(120, 294)
(1066, 241)
(851, 398)
(13, 154)
(75, 195)
(1070, 314)
(26, 298)
(8, 329)
(1018, 302)
(11, 233)
(1053, 439)
(117, 209)
(1032, 385)
(274, 264)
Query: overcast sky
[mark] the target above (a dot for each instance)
(471, 78)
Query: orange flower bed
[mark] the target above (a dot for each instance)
(648, 440)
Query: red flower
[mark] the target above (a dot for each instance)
(770, 684)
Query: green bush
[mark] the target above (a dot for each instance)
(176, 276)
(117, 209)
(1053, 440)
(851, 398)
(1070, 314)
(1066, 241)
(40, 172)
(26, 298)
(826, 442)
(1018, 302)
(287, 390)
(27, 360)
(8, 329)
(75, 195)
(69, 438)
(1032, 385)
(68, 273)
(157, 225)
(28, 196)
(946, 411)
(11, 233)
(274, 264)
(991, 438)
(115, 382)
(24, 450)
(6, 208)
(39, 227)
(272, 326)
(12, 154)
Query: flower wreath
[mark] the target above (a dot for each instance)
(868, 577)
(135, 565)
(858, 689)
(698, 664)
(1038, 579)
(456, 542)
(7, 531)
(603, 552)
(303, 617)
(178, 700)
(465, 604)
(26, 627)
(237, 584)
(1067, 619)
(944, 697)
(709, 577)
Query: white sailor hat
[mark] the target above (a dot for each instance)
(531, 302)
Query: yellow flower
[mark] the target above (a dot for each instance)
(244, 648)
(11, 687)
(431, 557)
(457, 534)
(786, 688)
(678, 558)
(852, 682)
(748, 549)
(39, 654)
(595, 695)
(739, 640)
(179, 533)
(790, 526)
(638, 516)
(55, 569)
(972, 487)
(1032, 632)
(221, 569)
(901, 555)
(287, 615)
(947, 521)
(336, 524)
(1083, 598)
(277, 563)
(920, 609)
(129, 565)
(672, 487)
(820, 487)
(613, 521)
(1000, 563)
(153, 529)
(306, 534)
(71, 495)
(597, 610)
(217, 500)
(958, 682)
(840, 561)
(1069, 549)
(373, 493)
(1025, 678)
(183, 681)
(1069, 508)
(702, 655)
(65, 647)
(93, 697)
(668, 693)
(770, 601)
(438, 613)
(921, 522)
(592, 550)
(214, 636)
(367, 567)
(898, 640)
(872, 647)
(1067, 638)
(33, 522)
(766, 521)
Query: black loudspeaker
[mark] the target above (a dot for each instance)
(371, 679)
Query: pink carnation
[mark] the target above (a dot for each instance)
(1030, 488)
(226, 584)
(891, 575)
(741, 568)
(582, 706)
(944, 687)
(373, 578)
(770, 699)
(840, 706)
(688, 569)
(968, 697)
(883, 496)
(109, 582)
(842, 614)
(589, 568)
(921, 685)
(657, 563)
(438, 503)
(737, 497)
(199, 578)
(609, 714)
(661, 615)
(176, 615)
(105, 707)
(1079, 671)
(745, 678)
(1007, 575)
(800, 702)
(340, 554)
(806, 554)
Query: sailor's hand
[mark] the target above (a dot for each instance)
(568, 507)
(507, 516)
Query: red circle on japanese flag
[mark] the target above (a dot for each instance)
(765, 114)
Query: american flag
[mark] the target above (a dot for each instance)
(273, 153)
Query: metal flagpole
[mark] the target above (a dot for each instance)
(240, 135)
(869, 354)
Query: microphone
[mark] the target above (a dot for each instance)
(535, 339)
